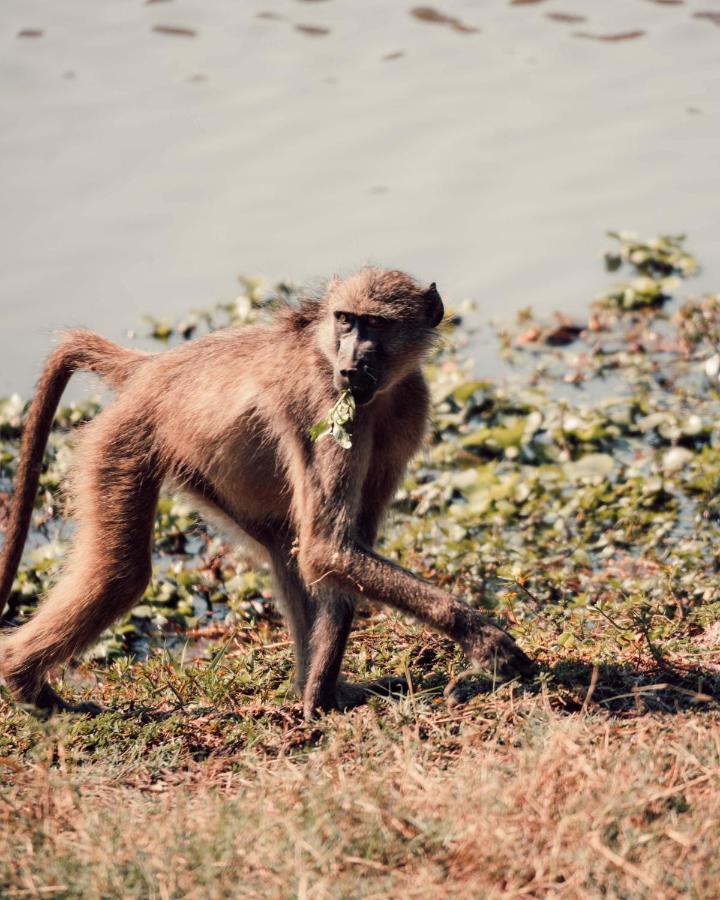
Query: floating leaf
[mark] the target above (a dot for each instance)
(593, 466)
(676, 458)
(712, 366)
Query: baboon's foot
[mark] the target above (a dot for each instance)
(492, 650)
(45, 699)
(347, 695)
(51, 702)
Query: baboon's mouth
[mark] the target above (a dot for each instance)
(363, 394)
(362, 385)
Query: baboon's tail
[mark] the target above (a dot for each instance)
(78, 350)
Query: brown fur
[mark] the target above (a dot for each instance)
(226, 418)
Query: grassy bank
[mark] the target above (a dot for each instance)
(576, 498)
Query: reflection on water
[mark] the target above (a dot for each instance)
(571, 18)
(428, 14)
(143, 171)
(313, 30)
(175, 30)
(713, 17)
(622, 36)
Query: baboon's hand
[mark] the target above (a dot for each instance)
(493, 650)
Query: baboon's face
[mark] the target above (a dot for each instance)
(380, 325)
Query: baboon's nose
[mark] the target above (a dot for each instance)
(358, 379)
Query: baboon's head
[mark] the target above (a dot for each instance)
(377, 327)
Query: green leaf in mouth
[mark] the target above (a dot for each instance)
(341, 415)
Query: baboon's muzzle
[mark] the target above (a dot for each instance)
(361, 381)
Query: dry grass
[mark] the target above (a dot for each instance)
(190, 790)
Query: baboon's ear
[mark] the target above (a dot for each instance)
(435, 308)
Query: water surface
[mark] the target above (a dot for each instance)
(151, 151)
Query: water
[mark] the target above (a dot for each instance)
(142, 170)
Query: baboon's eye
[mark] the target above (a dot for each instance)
(374, 321)
(345, 320)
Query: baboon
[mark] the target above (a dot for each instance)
(227, 420)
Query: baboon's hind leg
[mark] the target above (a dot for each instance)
(107, 572)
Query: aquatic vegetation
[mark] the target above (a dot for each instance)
(586, 480)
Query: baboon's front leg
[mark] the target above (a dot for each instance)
(352, 567)
(333, 622)
(336, 525)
